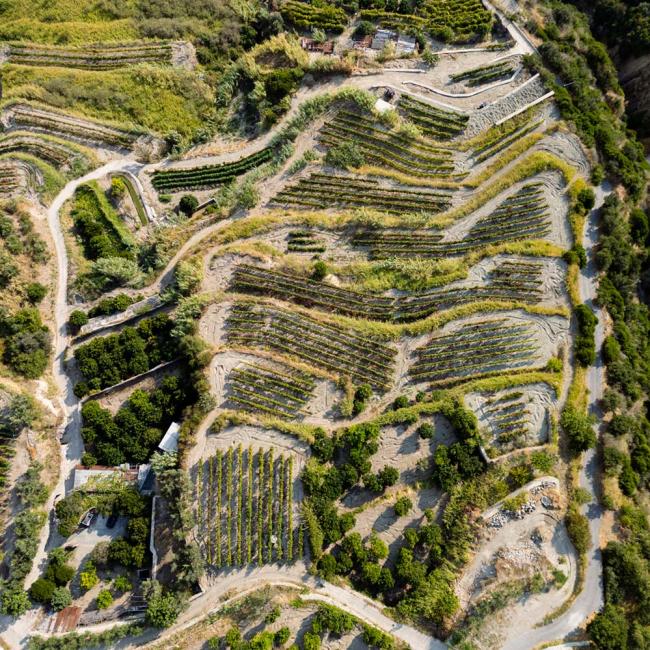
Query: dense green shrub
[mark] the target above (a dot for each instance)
(106, 361)
(136, 429)
(578, 528)
(584, 345)
(579, 429)
(41, 590)
(77, 320)
(403, 506)
(345, 155)
(35, 292)
(27, 342)
(188, 204)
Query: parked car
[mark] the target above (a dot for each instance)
(88, 518)
(112, 520)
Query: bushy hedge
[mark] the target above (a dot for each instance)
(584, 343)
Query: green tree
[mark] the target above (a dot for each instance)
(104, 599)
(578, 428)
(77, 320)
(402, 506)
(609, 630)
(88, 577)
(162, 608)
(41, 590)
(320, 270)
(15, 601)
(188, 204)
(61, 598)
(35, 292)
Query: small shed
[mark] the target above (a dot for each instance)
(382, 36)
(169, 443)
(406, 45)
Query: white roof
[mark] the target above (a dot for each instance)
(381, 106)
(169, 442)
(82, 476)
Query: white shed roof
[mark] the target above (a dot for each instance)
(169, 442)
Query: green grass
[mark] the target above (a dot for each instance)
(95, 201)
(135, 198)
(70, 32)
(151, 97)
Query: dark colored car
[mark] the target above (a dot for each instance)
(112, 520)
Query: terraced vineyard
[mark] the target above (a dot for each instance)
(319, 344)
(508, 416)
(280, 391)
(11, 178)
(245, 508)
(509, 281)
(194, 178)
(434, 122)
(31, 143)
(524, 215)
(503, 141)
(67, 126)
(456, 19)
(485, 74)
(304, 241)
(414, 156)
(322, 16)
(101, 57)
(477, 349)
(323, 190)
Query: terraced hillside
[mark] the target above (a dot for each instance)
(333, 307)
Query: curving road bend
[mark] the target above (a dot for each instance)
(590, 599)
(72, 445)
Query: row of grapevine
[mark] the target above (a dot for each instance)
(508, 418)
(59, 123)
(207, 176)
(510, 281)
(493, 147)
(434, 122)
(384, 149)
(450, 19)
(92, 57)
(524, 215)
(303, 241)
(462, 17)
(319, 15)
(475, 350)
(486, 73)
(280, 391)
(323, 190)
(340, 351)
(245, 507)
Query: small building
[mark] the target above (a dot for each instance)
(84, 474)
(381, 37)
(405, 45)
(324, 47)
(169, 443)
